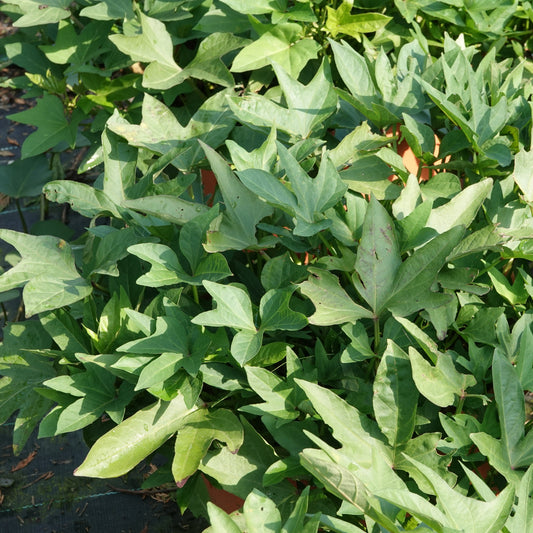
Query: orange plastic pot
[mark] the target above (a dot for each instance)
(410, 161)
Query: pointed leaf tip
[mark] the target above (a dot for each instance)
(181, 483)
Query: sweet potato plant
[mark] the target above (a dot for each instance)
(343, 343)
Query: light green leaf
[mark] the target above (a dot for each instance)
(109, 10)
(37, 14)
(207, 64)
(234, 308)
(509, 398)
(120, 162)
(221, 521)
(523, 175)
(47, 272)
(200, 429)
(153, 46)
(261, 514)
(378, 257)
(242, 472)
(160, 131)
(333, 305)
(341, 21)
(358, 435)
(122, 448)
(309, 198)
(461, 209)
(464, 513)
(309, 105)
(167, 207)
(441, 383)
(83, 198)
(236, 227)
(256, 7)
(274, 391)
(395, 396)
(281, 43)
(522, 519)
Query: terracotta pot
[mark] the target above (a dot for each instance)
(209, 183)
(225, 500)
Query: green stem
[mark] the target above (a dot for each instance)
(44, 207)
(326, 243)
(195, 294)
(21, 216)
(460, 405)
(377, 334)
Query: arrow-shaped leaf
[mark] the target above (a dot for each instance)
(47, 272)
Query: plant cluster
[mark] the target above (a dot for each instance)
(319, 315)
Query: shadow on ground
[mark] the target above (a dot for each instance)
(39, 494)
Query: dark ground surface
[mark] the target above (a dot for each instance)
(38, 493)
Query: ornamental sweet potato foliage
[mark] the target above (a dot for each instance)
(268, 294)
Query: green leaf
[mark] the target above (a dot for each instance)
(523, 515)
(416, 275)
(357, 434)
(234, 308)
(153, 46)
(160, 130)
(276, 314)
(461, 209)
(207, 64)
(341, 21)
(65, 331)
(522, 173)
(262, 157)
(47, 272)
(242, 472)
(509, 397)
(440, 383)
(74, 49)
(378, 257)
(120, 162)
(281, 43)
(309, 197)
(167, 270)
(220, 520)
(281, 272)
(261, 514)
(83, 198)
(274, 391)
(109, 10)
(256, 7)
(309, 105)
(122, 448)
(236, 227)
(37, 14)
(200, 429)
(333, 305)
(24, 177)
(22, 374)
(465, 513)
(395, 396)
(53, 126)
(359, 348)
